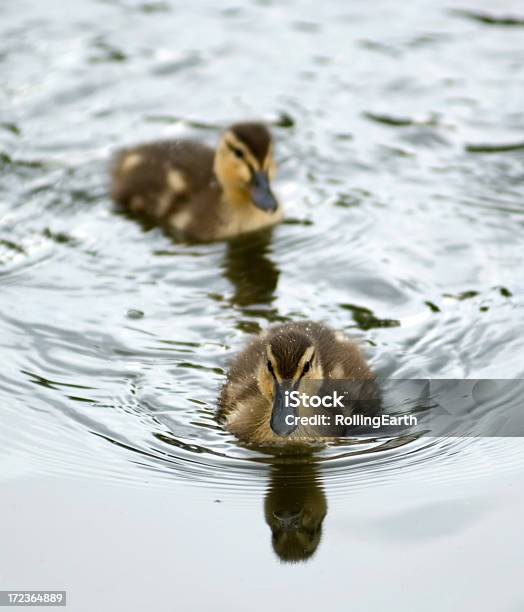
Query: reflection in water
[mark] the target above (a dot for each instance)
(251, 271)
(378, 183)
(294, 508)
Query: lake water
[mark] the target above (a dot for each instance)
(399, 133)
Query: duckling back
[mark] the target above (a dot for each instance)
(155, 180)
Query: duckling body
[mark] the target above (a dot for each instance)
(197, 192)
(298, 355)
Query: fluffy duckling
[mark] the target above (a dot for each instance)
(196, 192)
(303, 356)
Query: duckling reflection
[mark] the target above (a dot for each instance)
(251, 271)
(294, 508)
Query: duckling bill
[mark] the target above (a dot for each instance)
(197, 192)
(305, 357)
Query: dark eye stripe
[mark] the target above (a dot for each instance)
(236, 150)
(240, 154)
(307, 366)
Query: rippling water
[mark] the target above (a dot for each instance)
(399, 134)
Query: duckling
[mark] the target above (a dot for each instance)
(303, 356)
(198, 193)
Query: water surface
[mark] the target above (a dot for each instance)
(399, 133)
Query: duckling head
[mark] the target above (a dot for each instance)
(290, 363)
(244, 165)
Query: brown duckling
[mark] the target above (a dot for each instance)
(199, 193)
(303, 356)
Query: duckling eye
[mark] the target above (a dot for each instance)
(238, 152)
(270, 367)
(307, 367)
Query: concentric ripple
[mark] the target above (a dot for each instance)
(403, 194)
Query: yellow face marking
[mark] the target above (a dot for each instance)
(233, 142)
(308, 353)
(265, 381)
(234, 173)
(231, 171)
(271, 357)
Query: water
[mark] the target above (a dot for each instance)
(399, 130)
